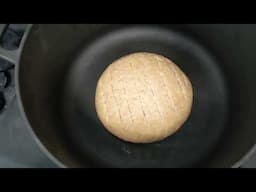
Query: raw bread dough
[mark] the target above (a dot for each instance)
(143, 98)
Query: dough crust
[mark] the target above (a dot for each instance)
(143, 97)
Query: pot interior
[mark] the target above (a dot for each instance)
(60, 65)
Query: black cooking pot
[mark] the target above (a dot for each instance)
(58, 67)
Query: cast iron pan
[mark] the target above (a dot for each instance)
(57, 72)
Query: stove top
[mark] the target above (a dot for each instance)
(17, 146)
(18, 149)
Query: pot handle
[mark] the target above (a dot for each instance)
(10, 55)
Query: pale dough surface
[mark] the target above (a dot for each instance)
(143, 98)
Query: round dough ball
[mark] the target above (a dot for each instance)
(143, 98)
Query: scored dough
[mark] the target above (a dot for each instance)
(143, 98)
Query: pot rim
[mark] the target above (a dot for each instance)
(20, 103)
